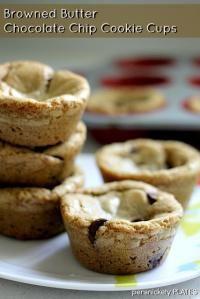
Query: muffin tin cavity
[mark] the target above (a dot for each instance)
(145, 62)
(176, 77)
(195, 80)
(196, 61)
(133, 80)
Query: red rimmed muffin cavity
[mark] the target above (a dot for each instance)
(145, 62)
(195, 81)
(196, 61)
(134, 80)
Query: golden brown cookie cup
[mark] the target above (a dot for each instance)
(34, 213)
(193, 104)
(118, 246)
(40, 167)
(125, 101)
(39, 107)
(179, 179)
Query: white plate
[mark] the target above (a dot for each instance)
(51, 263)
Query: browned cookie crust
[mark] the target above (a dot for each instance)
(39, 106)
(34, 213)
(122, 227)
(125, 101)
(40, 167)
(193, 104)
(171, 166)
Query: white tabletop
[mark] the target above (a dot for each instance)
(15, 290)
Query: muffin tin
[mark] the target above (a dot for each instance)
(178, 78)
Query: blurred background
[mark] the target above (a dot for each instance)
(169, 65)
(100, 58)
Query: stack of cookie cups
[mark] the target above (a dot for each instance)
(41, 135)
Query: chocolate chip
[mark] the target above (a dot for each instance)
(137, 220)
(48, 83)
(133, 258)
(58, 157)
(93, 228)
(119, 102)
(154, 262)
(133, 150)
(168, 165)
(152, 197)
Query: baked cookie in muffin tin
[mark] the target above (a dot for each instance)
(41, 166)
(39, 106)
(122, 227)
(176, 77)
(34, 213)
(171, 166)
(193, 104)
(125, 101)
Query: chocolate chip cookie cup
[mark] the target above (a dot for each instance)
(125, 101)
(121, 227)
(34, 213)
(39, 106)
(40, 167)
(172, 166)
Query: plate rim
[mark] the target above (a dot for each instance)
(79, 286)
